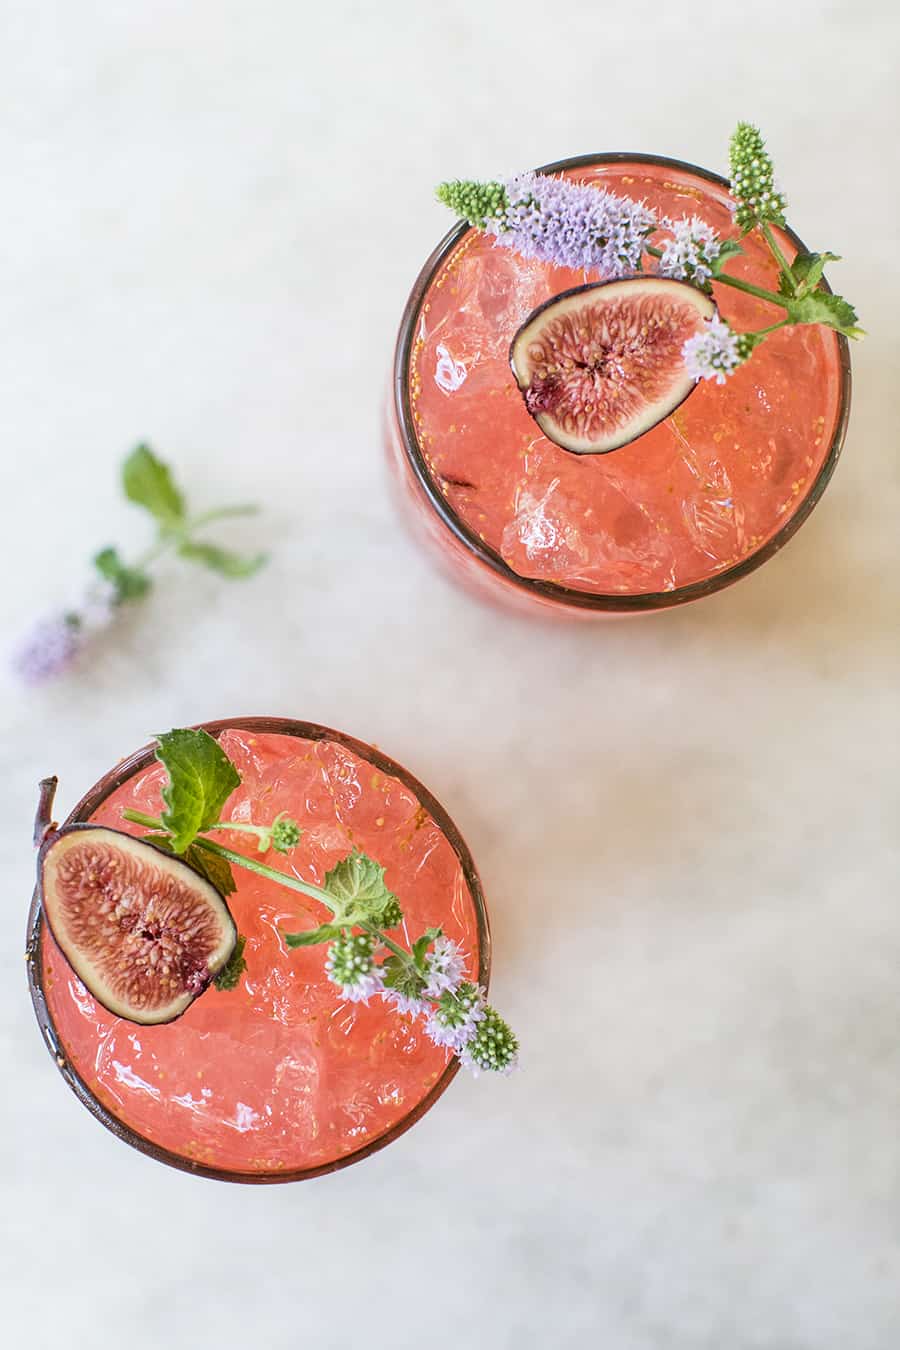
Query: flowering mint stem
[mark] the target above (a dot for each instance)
(725, 280)
(222, 513)
(388, 942)
(305, 887)
(141, 818)
(777, 253)
(261, 832)
(271, 873)
(154, 823)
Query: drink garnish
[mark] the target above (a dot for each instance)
(367, 955)
(57, 641)
(582, 226)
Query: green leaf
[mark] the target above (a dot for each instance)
(130, 582)
(402, 977)
(324, 933)
(421, 945)
(357, 884)
(159, 841)
(221, 560)
(821, 307)
(216, 870)
(730, 248)
(201, 779)
(148, 483)
(808, 268)
(231, 973)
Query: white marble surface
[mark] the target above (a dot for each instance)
(686, 824)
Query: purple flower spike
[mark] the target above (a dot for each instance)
(573, 225)
(49, 649)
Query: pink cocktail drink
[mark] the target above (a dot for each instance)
(689, 506)
(278, 1078)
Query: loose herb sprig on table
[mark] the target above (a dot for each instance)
(56, 641)
(581, 226)
(363, 960)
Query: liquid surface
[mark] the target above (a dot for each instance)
(693, 496)
(279, 1073)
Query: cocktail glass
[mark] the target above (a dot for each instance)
(277, 1080)
(695, 503)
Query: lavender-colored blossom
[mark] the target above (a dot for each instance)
(714, 353)
(350, 964)
(49, 649)
(55, 641)
(445, 966)
(453, 1021)
(404, 1003)
(573, 225)
(690, 252)
(493, 1046)
(363, 988)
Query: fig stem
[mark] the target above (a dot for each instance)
(43, 823)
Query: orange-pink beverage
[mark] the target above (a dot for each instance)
(688, 507)
(279, 1077)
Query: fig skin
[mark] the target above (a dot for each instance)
(55, 844)
(655, 412)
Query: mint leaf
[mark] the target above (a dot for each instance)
(230, 974)
(806, 273)
(227, 564)
(421, 945)
(148, 483)
(808, 268)
(357, 884)
(730, 248)
(400, 976)
(201, 779)
(821, 307)
(216, 870)
(786, 284)
(324, 933)
(130, 582)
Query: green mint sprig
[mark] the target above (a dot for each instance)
(148, 483)
(229, 977)
(363, 959)
(56, 641)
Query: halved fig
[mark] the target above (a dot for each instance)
(141, 929)
(601, 364)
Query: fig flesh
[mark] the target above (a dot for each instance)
(143, 931)
(601, 364)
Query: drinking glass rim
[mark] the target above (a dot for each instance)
(569, 596)
(121, 773)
